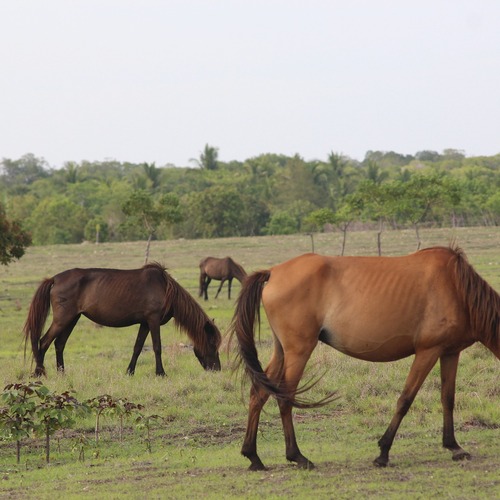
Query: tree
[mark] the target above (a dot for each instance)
(13, 240)
(216, 212)
(18, 175)
(413, 201)
(342, 218)
(58, 220)
(208, 158)
(373, 199)
(145, 212)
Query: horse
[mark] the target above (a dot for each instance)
(431, 304)
(148, 296)
(219, 269)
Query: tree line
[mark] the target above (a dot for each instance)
(265, 195)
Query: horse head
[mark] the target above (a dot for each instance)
(209, 357)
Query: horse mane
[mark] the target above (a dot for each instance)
(239, 272)
(481, 300)
(155, 265)
(187, 313)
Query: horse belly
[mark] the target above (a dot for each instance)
(369, 346)
(373, 332)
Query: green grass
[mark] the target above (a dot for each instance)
(196, 447)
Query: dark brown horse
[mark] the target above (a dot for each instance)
(219, 269)
(148, 296)
(431, 304)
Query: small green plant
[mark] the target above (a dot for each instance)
(32, 408)
(114, 406)
(80, 444)
(17, 418)
(55, 411)
(146, 422)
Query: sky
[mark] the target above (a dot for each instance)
(156, 80)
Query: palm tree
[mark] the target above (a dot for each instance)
(208, 158)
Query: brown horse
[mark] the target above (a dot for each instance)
(219, 269)
(148, 296)
(431, 304)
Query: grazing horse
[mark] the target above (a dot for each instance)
(148, 296)
(219, 269)
(431, 304)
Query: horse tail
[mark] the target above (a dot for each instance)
(37, 316)
(243, 325)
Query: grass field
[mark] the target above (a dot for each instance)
(195, 446)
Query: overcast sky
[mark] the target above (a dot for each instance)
(155, 81)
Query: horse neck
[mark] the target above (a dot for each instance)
(483, 304)
(188, 315)
(239, 273)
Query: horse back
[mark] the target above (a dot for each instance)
(109, 296)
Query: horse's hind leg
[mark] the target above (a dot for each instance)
(422, 365)
(449, 364)
(258, 399)
(60, 343)
(294, 368)
(55, 331)
(139, 344)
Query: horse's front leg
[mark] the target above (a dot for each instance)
(220, 287)
(449, 365)
(139, 344)
(229, 282)
(207, 282)
(155, 336)
(422, 365)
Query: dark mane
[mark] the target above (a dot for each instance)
(481, 300)
(189, 316)
(155, 265)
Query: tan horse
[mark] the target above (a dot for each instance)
(431, 304)
(225, 269)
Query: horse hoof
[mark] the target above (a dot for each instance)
(307, 465)
(461, 455)
(380, 462)
(257, 467)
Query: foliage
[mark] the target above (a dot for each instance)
(107, 404)
(55, 411)
(17, 417)
(266, 194)
(146, 422)
(57, 220)
(32, 408)
(208, 158)
(13, 240)
(148, 214)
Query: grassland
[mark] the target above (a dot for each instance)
(195, 447)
